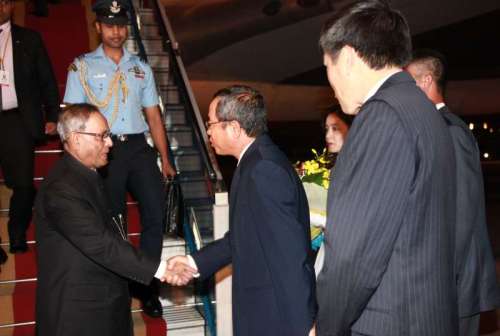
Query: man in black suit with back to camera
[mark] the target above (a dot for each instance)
(29, 107)
(390, 231)
(475, 265)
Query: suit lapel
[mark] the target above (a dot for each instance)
(16, 53)
(233, 194)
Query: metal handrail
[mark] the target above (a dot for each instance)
(135, 32)
(178, 68)
(190, 229)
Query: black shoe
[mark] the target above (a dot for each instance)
(3, 256)
(18, 246)
(152, 307)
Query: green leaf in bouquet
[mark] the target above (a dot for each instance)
(314, 178)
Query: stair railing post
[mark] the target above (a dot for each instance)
(223, 278)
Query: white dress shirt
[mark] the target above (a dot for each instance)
(9, 97)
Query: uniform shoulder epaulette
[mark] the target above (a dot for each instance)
(74, 66)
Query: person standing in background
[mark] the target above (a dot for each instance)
(122, 86)
(29, 106)
(336, 126)
(390, 231)
(475, 265)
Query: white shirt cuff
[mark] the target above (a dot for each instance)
(160, 272)
(192, 264)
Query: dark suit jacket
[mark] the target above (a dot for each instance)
(389, 246)
(476, 275)
(268, 244)
(83, 263)
(36, 86)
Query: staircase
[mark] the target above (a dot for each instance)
(185, 308)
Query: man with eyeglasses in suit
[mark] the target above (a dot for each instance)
(123, 87)
(84, 259)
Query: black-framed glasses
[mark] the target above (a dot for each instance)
(99, 136)
(209, 124)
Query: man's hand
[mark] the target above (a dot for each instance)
(178, 271)
(167, 169)
(50, 128)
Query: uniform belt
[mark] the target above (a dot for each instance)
(126, 137)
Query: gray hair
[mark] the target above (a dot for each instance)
(74, 118)
(244, 105)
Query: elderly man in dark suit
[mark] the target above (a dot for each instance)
(268, 241)
(390, 231)
(84, 258)
(28, 97)
(475, 265)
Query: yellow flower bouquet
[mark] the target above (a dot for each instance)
(315, 176)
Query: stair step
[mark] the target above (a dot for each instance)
(147, 16)
(183, 318)
(176, 296)
(179, 136)
(170, 94)
(151, 46)
(188, 161)
(159, 60)
(195, 189)
(150, 31)
(162, 76)
(175, 115)
(45, 160)
(178, 305)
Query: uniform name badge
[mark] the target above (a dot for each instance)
(4, 77)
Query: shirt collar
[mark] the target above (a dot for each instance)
(440, 105)
(244, 150)
(6, 26)
(99, 52)
(377, 86)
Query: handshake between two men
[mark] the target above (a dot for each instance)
(179, 271)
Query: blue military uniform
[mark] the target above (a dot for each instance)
(138, 78)
(121, 91)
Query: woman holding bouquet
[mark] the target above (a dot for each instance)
(336, 125)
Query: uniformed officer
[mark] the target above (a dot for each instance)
(123, 88)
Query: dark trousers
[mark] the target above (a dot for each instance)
(16, 159)
(133, 167)
(469, 326)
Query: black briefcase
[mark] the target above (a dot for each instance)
(173, 208)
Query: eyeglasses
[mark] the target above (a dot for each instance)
(99, 136)
(209, 124)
